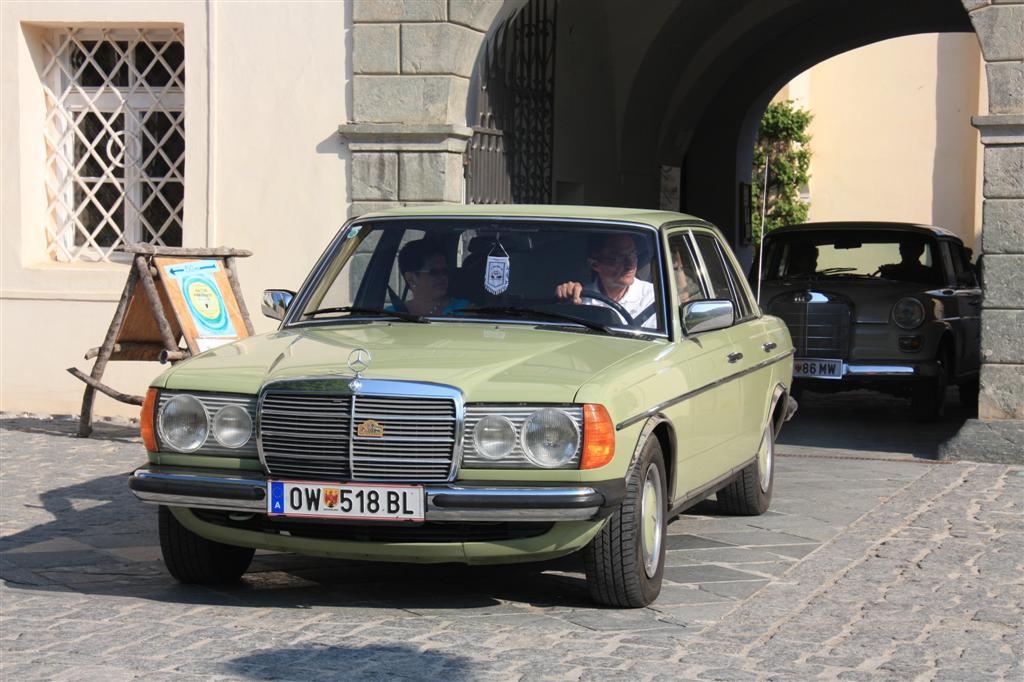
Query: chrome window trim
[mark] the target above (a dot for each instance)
(339, 385)
(703, 389)
(290, 320)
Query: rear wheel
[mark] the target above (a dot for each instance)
(750, 493)
(194, 559)
(625, 562)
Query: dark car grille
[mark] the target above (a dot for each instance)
(819, 329)
(316, 436)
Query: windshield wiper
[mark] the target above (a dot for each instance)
(408, 317)
(835, 271)
(514, 311)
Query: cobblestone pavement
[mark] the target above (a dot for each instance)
(864, 569)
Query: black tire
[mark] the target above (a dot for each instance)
(750, 493)
(196, 560)
(967, 392)
(617, 573)
(928, 398)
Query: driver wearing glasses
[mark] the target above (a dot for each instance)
(613, 258)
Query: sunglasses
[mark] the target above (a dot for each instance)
(621, 259)
(433, 272)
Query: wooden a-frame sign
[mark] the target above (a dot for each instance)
(186, 294)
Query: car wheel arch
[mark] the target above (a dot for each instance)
(778, 404)
(658, 426)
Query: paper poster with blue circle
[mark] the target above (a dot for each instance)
(203, 297)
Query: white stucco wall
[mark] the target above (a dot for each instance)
(265, 92)
(892, 137)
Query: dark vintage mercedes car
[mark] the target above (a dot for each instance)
(892, 307)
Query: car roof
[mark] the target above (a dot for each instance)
(868, 225)
(641, 216)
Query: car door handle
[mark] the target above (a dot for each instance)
(769, 347)
(734, 357)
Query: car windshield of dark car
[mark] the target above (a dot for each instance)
(452, 269)
(901, 256)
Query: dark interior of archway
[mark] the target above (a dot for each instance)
(684, 82)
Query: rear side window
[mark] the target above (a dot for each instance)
(723, 281)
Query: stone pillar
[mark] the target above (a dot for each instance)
(411, 62)
(998, 433)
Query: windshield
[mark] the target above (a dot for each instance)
(589, 277)
(903, 256)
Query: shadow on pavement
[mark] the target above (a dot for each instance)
(66, 426)
(367, 662)
(867, 421)
(103, 541)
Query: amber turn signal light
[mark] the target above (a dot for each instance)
(147, 420)
(598, 437)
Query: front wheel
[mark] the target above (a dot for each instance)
(194, 559)
(928, 397)
(750, 493)
(625, 562)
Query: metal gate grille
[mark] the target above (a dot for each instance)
(510, 156)
(115, 139)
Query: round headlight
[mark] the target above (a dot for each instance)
(183, 423)
(232, 426)
(908, 313)
(494, 437)
(550, 438)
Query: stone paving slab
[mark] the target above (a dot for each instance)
(865, 569)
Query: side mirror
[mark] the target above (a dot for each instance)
(705, 316)
(276, 302)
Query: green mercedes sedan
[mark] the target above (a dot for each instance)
(478, 384)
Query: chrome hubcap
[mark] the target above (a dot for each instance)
(766, 459)
(652, 508)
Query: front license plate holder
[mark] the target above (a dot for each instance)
(346, 501)
(817, 368)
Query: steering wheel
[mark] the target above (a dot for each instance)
(614, 305)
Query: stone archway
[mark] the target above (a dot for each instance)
(412, 67)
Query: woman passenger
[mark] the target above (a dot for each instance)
(425, 270)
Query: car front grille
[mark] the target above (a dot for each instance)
(820, 327)
(357, 437)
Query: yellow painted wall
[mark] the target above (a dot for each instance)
(891, 136)
(265, 93)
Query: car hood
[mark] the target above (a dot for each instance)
(488, 362)
(872, 300)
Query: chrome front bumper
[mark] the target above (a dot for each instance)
(247, 492)
(852, 371)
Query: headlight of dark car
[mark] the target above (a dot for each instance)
(908, 313)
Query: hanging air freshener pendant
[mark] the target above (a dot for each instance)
(497, 272)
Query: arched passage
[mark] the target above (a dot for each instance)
(639, 85)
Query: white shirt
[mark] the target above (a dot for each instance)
(639, 297)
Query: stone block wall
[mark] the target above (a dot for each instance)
(412, 62)
(1000, 28)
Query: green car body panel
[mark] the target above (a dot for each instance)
(677, 387)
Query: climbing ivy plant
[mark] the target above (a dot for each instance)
(783, 138)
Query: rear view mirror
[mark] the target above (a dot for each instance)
(276, 302)
(705, 316)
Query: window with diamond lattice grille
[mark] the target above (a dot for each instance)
(115, 140)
